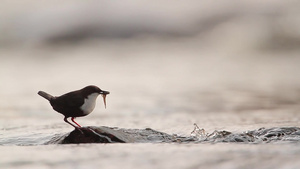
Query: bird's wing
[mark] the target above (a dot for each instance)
(70, 100)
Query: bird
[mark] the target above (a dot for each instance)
(76, 103)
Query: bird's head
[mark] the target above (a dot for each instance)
(94, 89)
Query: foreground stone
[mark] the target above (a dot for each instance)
(103, 134)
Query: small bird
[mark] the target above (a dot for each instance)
(76, 103)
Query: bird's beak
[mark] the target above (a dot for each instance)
(103, 94)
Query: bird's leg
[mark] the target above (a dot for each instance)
(76, 128)
(75, 121)
(65, 119)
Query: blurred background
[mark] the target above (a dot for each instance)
(163, 57)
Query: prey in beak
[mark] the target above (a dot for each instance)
(103, 94)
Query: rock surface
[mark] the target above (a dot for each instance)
(103, 134)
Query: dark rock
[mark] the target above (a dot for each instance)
(92, 135)
(111, 135)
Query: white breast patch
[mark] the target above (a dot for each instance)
(89, 103)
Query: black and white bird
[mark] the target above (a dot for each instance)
(76, 103)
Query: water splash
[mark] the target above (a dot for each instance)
(198, 133)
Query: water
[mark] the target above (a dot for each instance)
(232, 113)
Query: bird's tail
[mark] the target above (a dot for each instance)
(45, 95)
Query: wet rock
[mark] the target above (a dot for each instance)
(103, 134)
(93, 135)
